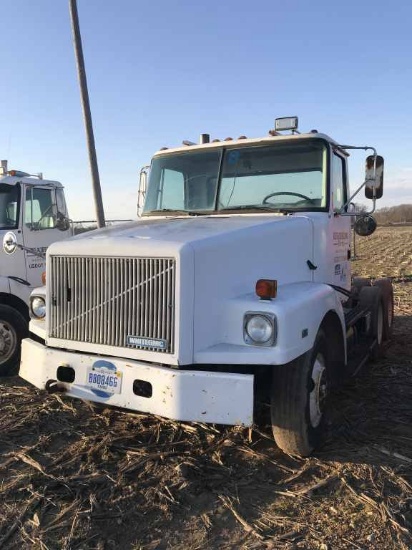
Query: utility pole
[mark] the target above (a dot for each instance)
(81, 71)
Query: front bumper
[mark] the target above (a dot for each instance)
(189, 395)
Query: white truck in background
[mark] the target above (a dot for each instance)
(33, 214)
(235, 283)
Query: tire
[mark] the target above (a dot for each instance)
(388, 306)
(13, 328)
(298, 400)
(372, 298)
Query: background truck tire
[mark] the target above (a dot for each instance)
(372, 298)
(388, 306)
(298, 400)
(13, 328)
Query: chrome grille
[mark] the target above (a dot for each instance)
(106, 300)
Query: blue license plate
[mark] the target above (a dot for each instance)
(104, 380)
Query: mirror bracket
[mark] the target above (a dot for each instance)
(342, 211)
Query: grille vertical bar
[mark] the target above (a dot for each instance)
(105, 300)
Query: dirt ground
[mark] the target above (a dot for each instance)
(73, 477)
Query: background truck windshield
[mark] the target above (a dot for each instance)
(276, 176)
(9, 206)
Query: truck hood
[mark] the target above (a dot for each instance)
(167, 236)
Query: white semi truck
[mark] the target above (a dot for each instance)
(234, 283)
(32, 215)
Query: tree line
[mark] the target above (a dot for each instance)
(402, 213)
(389, 215)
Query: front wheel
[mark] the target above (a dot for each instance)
(298, 400)
(13, 328)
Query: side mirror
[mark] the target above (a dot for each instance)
(374, 177)
(141, 195)
(365, 225)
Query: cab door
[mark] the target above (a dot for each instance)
(44, 222)
(12, 258)
(340, 225)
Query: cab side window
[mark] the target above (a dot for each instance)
(9, 206)
(338, 182)
(40, 208)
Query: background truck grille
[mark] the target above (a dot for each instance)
(105, 300)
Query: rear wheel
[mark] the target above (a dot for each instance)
(13, 328)
(371, 297)
(388, 306)
(298, 400)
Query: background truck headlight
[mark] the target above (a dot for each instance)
(38, 307)
(259, 329)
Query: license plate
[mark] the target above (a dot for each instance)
(104, 379)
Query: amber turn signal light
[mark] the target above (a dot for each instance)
(43, 278)
(266, 288)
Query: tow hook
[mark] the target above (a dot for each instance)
(52, 386)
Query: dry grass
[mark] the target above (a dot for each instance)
(74, 477)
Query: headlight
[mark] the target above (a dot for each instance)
(259, 329)
(38, 307)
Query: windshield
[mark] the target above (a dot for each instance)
(9, 206)
(272, 177)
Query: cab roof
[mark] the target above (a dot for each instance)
(13, 180)
(267, 140)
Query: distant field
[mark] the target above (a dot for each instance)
(76, 477)
(386, 253)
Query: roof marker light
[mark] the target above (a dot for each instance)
(18, 173)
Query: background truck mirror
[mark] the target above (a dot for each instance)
(62, 222)
(374, 177)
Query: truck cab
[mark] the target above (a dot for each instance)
(33, 214)
(234, 283)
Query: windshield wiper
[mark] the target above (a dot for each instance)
(178, 212)
(267, 208)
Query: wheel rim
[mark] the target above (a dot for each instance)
(317, 396)
(8, 341)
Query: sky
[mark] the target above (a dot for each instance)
(163, 71)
